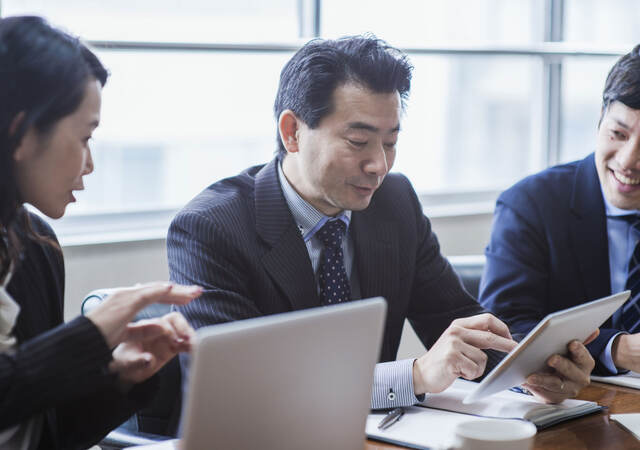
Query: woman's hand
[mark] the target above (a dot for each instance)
(113, 315)
(149, 345)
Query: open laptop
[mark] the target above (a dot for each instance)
(299, 380)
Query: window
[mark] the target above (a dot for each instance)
(425, 22)
(501, 89)
(467, 117)
(591, 23)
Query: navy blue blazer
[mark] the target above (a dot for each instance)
(549, 249)
(239, 241)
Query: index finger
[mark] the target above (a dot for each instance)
(488, 340)
(174, 294)
(180, 324)
(144, 330)
(486, 322)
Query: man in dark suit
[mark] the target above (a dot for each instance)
(568, 235)
(324, 222)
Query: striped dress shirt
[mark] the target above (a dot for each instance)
(393, 381)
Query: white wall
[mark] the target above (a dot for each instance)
(89, 267)
(122, 264)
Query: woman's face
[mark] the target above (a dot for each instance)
(50, 167)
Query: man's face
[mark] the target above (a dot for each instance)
(341, 162)
(618, 156)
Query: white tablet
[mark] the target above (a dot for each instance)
(549, 337)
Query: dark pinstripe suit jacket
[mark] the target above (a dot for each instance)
(58, 370)
(239, 241)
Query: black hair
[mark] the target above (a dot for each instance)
(308, 80)
(43, 75)
(623, 82)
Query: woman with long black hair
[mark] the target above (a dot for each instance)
(62, 385)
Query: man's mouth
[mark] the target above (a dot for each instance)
(624, 179)
(364, 189)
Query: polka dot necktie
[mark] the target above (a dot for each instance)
(334, 284)
(631, 309)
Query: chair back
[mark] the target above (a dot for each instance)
(469, 269)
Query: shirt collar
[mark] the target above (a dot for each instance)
(613, 211)
(308, 218)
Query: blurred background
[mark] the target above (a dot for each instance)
(501, 89)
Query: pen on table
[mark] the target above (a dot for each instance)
(521, 390)
(392, 417)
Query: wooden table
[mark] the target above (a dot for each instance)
(591, 432)
(595, 431)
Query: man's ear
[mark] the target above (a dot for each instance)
(16, 122)
(289, 125)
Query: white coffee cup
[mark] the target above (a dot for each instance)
(494, 434)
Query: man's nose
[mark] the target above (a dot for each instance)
(377, 162)
(628, 156)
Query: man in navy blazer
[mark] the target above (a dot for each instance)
(255, 241)
(562, 237)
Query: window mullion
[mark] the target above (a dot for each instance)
(308, 19)
(554, 24)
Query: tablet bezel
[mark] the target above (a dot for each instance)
(511, 361)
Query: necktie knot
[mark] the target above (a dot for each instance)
(633, 220)
(331, 233)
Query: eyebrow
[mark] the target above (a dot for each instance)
(622, 124)
(368, 127)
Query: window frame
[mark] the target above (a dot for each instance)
(80, 229)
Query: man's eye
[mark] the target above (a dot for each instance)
(357, 143)
(390, 145)
(617, 134)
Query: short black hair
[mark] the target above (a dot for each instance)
(623, 82)
(308, 80)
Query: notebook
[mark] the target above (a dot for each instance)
(288, 381)
(629, 379)
(431, 424)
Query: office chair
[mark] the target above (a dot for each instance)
(469, 269)
(158, 421)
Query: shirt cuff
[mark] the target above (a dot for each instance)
(393, 385)
(606, 358)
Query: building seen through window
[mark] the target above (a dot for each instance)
(175, 119)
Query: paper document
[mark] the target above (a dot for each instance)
(420, 428)
(431, 423)
(509, 405)
(629, 421)
(630, 379)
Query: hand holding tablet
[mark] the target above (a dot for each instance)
(567, 376)
(549, 337)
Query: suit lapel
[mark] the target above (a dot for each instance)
(287, 261)
(588, 229)
(376, 254)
